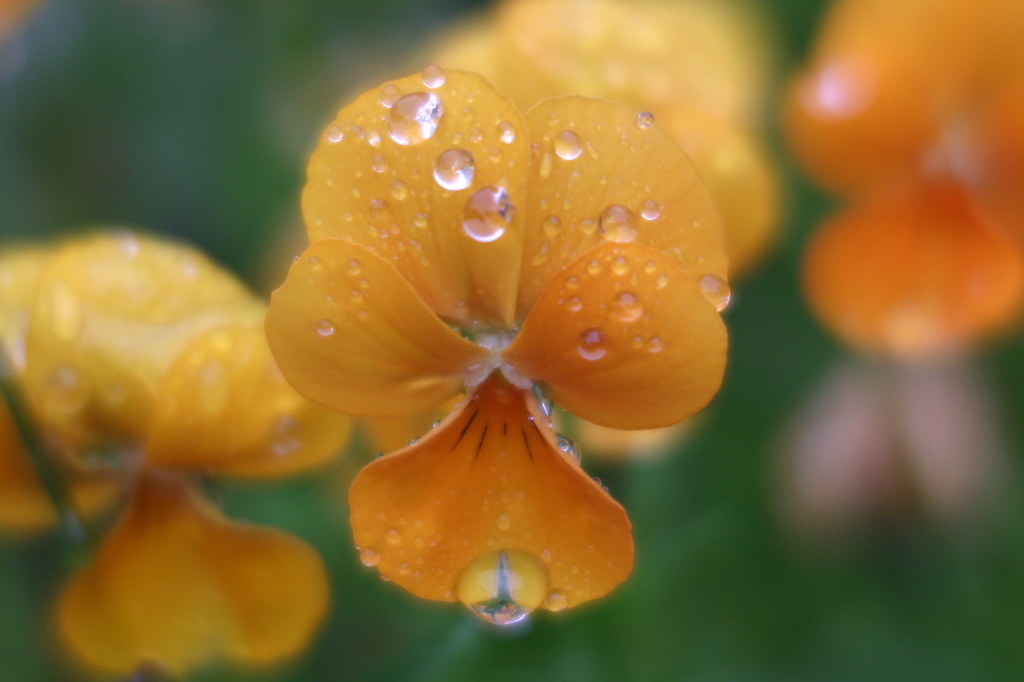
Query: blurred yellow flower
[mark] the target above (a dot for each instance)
(460, 246)
(146, 346)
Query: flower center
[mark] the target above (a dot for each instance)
(494, 340)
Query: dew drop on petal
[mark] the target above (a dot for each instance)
(389, 94)
(552, 226)
(393, 536)
(507, 132)
(378, 207)
(434, 76)
(628, 307)
(379, 164)
(587, 226)
(655, 345)
(414, 118)
(645, 119)
(575, 305)
(545, 165)
(454, 169)
(487, 214)
(373, 138)
(399, 190)
(568, 145)
(503, 587)
(369, 557)
(334, 134)
(618, 224)
(568, 446)
(620, 266)
(650, 210)
(716, 291)
(504, 522)
(591, 344)
(326, 328)
(661, 282)
(555, 601)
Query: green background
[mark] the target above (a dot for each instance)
(195, 118)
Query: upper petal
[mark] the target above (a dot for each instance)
(489, 479)
(350, 333)
(625, 339)
(373, 180)
(225, 406)
(920, 270)
(599, 174)
(175, 583)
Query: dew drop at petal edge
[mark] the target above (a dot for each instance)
(504, 586)
(487, 214)
(454, 169)
(568, 446)
(716, 291)
(414, 118)
(434, 77)
(369, 557)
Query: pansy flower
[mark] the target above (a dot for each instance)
(145, 360)
(911, 111)
(461, 247)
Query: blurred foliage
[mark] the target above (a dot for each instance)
(195, 118)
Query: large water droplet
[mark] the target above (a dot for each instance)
(645, 119)
(326, 328)
(568, 145)
(618, 224)
(716, 291)
(454, 169)
(568, 446)
(414, 118)
(650, 210)
(503, 587)
(627, 307)
(434, 76)
(592, 344)
(487, 214)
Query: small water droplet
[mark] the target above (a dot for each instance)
(555, 601)
(379, 164)
(716, 291)
(508, 133)
(399, 190)
(453, 169)
(354, 268)
(434, 76)
(552, 226)
(620, 266)
(587, 227)
(326, 328)
(546, 556)
(419, 220)
(414, 118)
(504, 586)
(568, 145)
(543, 402)
(546, 164)
(373, 138)
(568, 446)
(661, 282)
(645, 119)
(389, 94)
(650, 267)
(575, 305)
(628, 307)
(404, 568)
(378, 207)
(504, 522)
(393, 536)
(369, 557)
(618, 224)
(487, 214)
(655, 345)
(650, 210)
(591, 344)
(594, 267)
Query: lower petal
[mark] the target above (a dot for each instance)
(490, 482)
(177, 584)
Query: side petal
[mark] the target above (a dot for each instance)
(225, 406)
(113, 311)
(350, 333)
(388, 435)
(429, 173)
(20, 271)
(625, 339)
(489, 479)
(599, 174)
(175, 583)
(919, 271)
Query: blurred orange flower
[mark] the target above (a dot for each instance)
(145, 346)
(460, 246)
(911, 110)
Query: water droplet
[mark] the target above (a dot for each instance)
(716, 291)
(373, 138)
(575, 304)
(393, 536)
(655, 345)
(414, 118)
(638, 342)
(389, 94)
(568, 446)
(618, 224)
(369, 557)
(650, 267)
(650, 210)
(504, 522)
(568, 145)
(555, 601)
(661, 282)
(420, 220)
(454, 169)
(326, 328)
(587, 227)
(591, 344)
(475, 135)
(620, 266)
(334, 134)
(546, 556)
(379, 164)
(504, 586)
(543, 402)
(399, 190)
(487, 214)
(645, 119)
(378, 207)
(545, 165)
(594, 267)
(404, 568)
(287, 435)
(552, 226)
(508, 133)
(627, 306)
(434, 76)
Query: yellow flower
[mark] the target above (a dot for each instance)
(146, 347)
(460, 246)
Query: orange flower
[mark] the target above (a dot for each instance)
(147, 347)
(459, 246)
(910, 109)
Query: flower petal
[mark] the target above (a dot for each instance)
(349, 333)
(20, 270)
(388, 435)
(176, 583)
(625, 339)
(113, 311)
(372, 181)
(225, 406)
(489, 478)
(595, 175)
(918, 271)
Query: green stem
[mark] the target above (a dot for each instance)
(42, 461)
